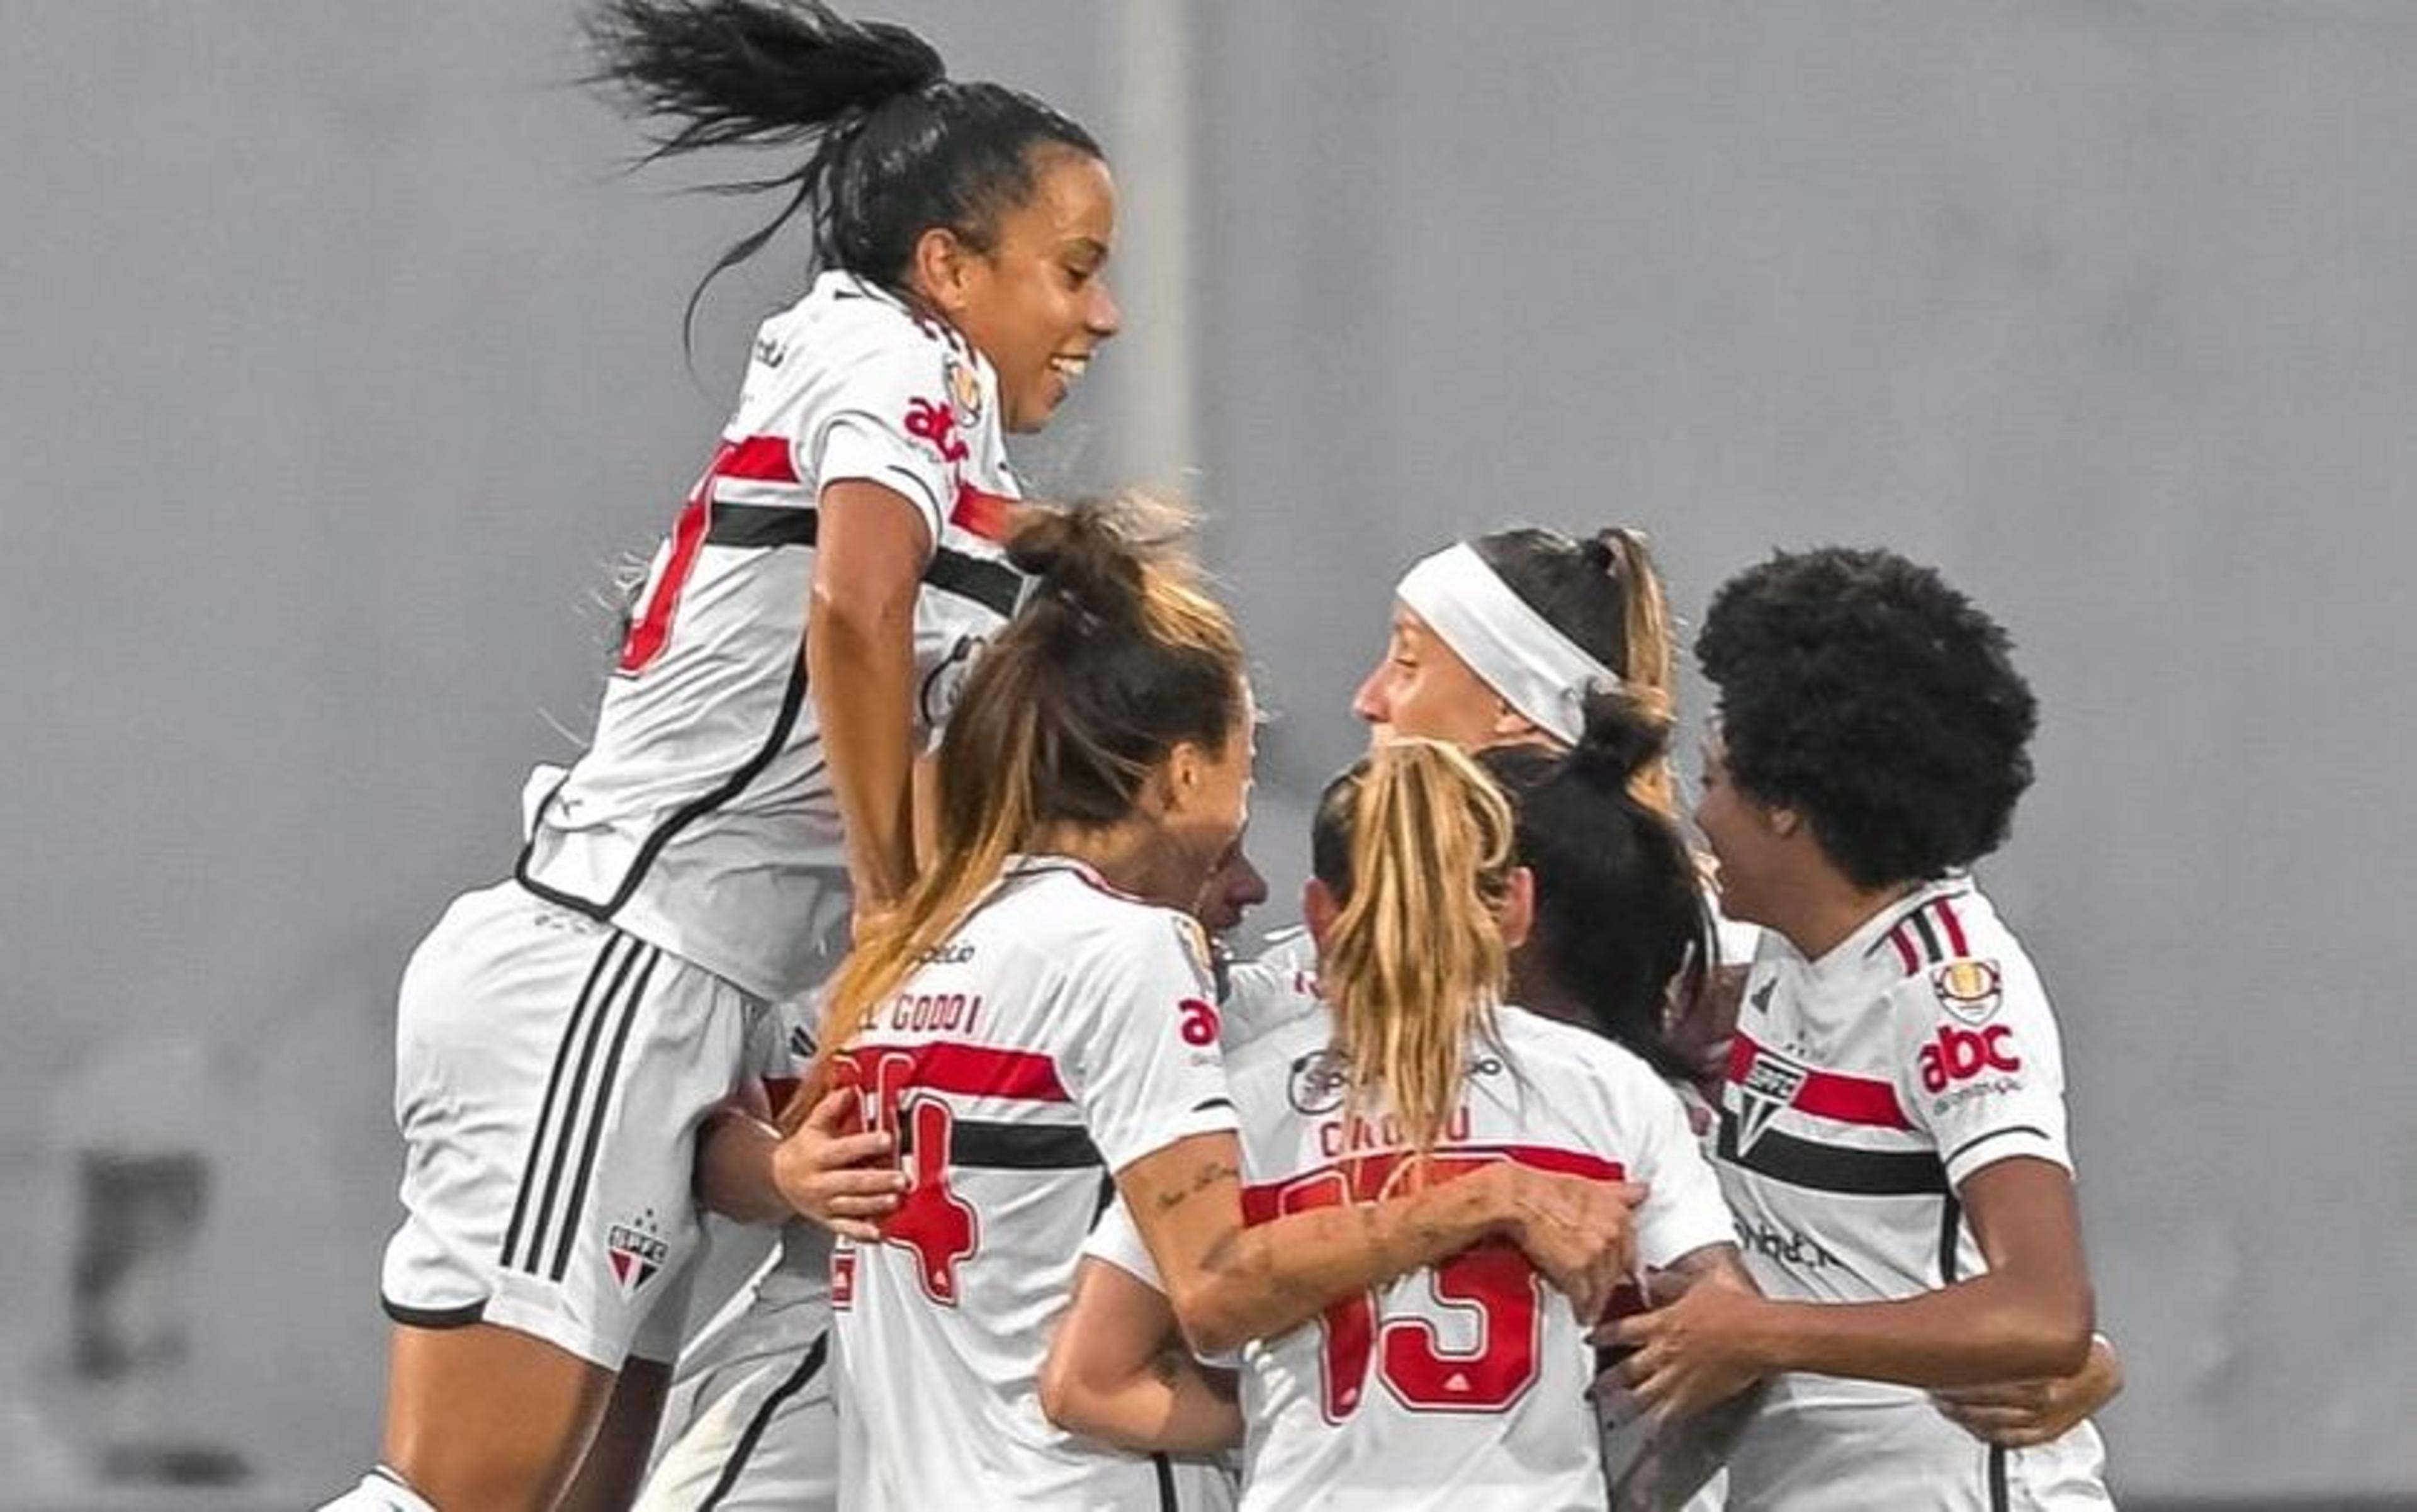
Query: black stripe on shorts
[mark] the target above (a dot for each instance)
(554, 1093)
(798, 1379)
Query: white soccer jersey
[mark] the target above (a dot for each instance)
(1462, 1387)
(1270, 991)
(1863, 1088)
(702, 817)
(1061, 1033)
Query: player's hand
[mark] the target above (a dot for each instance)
(1580, 1232)
(2019, 1413)
(1699, 1350)
(842, 1181)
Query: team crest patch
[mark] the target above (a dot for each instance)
(1318, 1082)
(636, 1251)
(1770, 1084)
(1970, 989)
(964, 393)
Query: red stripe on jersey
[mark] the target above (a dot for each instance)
(986, 515)
(653, 627)
(1954, 928)
(1905, 950)
(975, 1070)
(759, 458)
(1371, 1175)
(1830, 1095)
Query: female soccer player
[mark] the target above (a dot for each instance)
(1457, 1385)
(1893, 1130)
(799, 635)
(1034, 1018)
(1500, 640)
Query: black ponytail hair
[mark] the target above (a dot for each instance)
(895, 147)
(1621, 924)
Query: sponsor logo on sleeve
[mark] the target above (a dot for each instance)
(935, 424)
(1955, 1054)
(1969, 990)
(1770, 1084)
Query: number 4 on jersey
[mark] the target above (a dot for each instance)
(938, 1227)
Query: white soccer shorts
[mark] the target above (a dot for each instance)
(749, 1424)
(550, 1075)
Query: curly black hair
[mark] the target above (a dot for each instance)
(1862, 690)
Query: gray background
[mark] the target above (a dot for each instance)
(342, 372)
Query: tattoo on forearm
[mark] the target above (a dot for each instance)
(1212, 1174)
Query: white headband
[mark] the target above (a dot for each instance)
(1541, 672)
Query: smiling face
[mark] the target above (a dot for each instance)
(1423, 687)
(1745, 838)
(1036, 303)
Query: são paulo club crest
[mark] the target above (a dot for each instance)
(1770, 1084)
(636, 1251)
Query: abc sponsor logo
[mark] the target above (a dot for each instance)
(1956, 1054)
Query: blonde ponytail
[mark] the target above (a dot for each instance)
(1415, 843)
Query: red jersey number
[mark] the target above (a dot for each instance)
(940, 1228)
(1493, 1283)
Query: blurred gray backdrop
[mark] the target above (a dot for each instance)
(340, 370)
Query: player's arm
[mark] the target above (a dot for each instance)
(748, 1171)
(870, 549)
(1229, 1283)
(2030, 1315)
(2017, 1415)
(1118, 1371)
(1679, 1456)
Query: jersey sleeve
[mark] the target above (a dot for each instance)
(1684, 1212)
(892, 422)
(1979, 1065)
(1117, 1239)
(1148, 1070)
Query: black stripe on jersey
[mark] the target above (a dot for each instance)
(1998, 1500)
(798, 1379)
(791, 702)
(461, 1317)
(1020, 1146)
(1951, 1230)
(1165, 1469)
(1980, 1140)
(554, 1090)
(1931, 949)
(605, 1086)
(993, 585)
(939, 506)
(1914, 916)
(1829, 1167)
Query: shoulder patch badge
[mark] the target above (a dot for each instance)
(964, 393)
(1967, 988)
